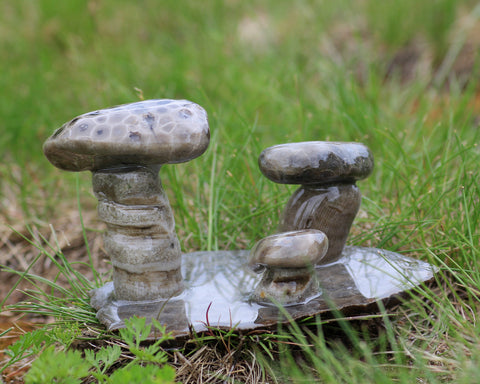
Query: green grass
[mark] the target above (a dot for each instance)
(267, 73)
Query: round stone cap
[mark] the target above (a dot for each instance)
(294, 249)
(150, 132)
(316, 162)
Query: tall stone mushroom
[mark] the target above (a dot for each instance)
(328, 198)
(124, 147)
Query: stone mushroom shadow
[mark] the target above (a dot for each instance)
(306, 266)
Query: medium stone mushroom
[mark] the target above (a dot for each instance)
(288, 260)
(328, 199)
(124, 148)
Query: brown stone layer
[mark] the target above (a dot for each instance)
(330, 210)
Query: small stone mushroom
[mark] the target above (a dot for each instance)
(288, 260)
(124, 147)
(328, 199)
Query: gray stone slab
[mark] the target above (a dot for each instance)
(219, 288)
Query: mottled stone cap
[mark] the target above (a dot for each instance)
(144, 133)
(294, 249)
(316, 162)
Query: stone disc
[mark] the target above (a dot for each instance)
(219, 286)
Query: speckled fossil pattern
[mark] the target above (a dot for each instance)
(328, 209)
(147, 132)
(140, 239)
(316, 162)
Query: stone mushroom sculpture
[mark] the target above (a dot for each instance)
(328, 198)
(124, 148)
(288, 260)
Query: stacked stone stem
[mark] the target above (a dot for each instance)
(140, 238)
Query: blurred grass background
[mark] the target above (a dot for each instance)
(399, 76)
(267, 73)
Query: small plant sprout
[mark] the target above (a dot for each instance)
(57, 364)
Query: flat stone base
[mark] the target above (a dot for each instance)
(219, 288)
